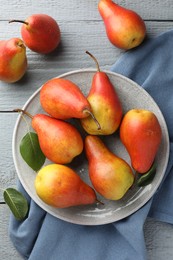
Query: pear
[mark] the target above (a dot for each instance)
(125, 28)
(110, 175)
(40, 33)
(59, 141)
(63, 99)
(105, 104)
(141, 134)
(61, 187)
(13, 60)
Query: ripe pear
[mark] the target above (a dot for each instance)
(13, 60)
(110, 175)
(125, 28)
(63, 99)
(140, 132)
(60, 186)
(40, 33)
(105, 104)
(59, 141)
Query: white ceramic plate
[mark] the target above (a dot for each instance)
(131, 96)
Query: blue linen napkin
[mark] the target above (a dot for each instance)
(42, 236)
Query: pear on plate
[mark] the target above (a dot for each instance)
(62, 99)
(61, 187)
(105, 104)
(110, 175)
(141, 134)
(59, 141)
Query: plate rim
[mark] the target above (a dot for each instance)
(63, 217)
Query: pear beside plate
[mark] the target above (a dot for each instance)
(131, 96)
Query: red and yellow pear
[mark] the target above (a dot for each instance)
(63, 99)
(40, 33)
(13, 60)
(105, 104)
(125, 28)
(110, 175)
(61, 187)
(141, 134)
(59, 141)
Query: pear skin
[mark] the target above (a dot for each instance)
(110, 175)
(13, 60)
(140, 132)
(105, 103)
(59, 186)
(125, 28)
(59, 141)
(40, 33)
(62, 99)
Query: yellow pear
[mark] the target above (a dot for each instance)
(60, 186)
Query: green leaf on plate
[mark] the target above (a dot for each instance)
(16, 202)
(148, 177)
(31, 152)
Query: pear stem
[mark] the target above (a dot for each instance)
(97, 64)
(23, 111)
(95, 120)
(18, 21)
(17, 110)
(100, 202)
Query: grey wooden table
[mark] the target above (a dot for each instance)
(82, 29)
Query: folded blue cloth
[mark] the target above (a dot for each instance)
(42, 236)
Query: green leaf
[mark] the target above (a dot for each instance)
(31, 152)
(148, 177)
(16, 202)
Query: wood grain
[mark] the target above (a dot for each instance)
(82, 29)
(82, 10)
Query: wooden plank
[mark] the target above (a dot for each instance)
(76, 10)
(7, 171)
